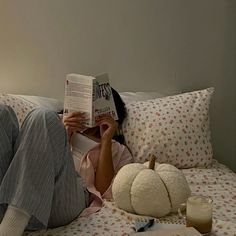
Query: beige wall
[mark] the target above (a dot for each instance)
(143, 44)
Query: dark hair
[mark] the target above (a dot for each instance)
(121, 112)
(120, 106)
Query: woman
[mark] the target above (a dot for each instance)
(39, 186)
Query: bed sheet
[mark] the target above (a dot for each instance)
(218, 182)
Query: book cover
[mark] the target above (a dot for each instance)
(90, 95)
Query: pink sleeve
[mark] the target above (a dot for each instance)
(124, 159)
(120, 156)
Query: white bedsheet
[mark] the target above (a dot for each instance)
(218, 182)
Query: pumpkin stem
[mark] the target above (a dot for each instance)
(152, 162)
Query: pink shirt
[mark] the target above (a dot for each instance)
(87, 168)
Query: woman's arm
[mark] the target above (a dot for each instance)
(105, 169)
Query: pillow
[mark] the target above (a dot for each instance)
(175, 129)
(49, 103)
(20, 106)
(128, 97)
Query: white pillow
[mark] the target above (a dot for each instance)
(175, 129)
(20, 106)
(23, 104)
(50, 103)
(128, 97)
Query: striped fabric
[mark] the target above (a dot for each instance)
(37, 172)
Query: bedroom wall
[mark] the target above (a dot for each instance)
(144, 45)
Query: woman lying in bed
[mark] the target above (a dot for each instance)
(39, 186)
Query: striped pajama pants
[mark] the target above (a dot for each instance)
(37, 172)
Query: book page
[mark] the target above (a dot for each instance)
(78, 94)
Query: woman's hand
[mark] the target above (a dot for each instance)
(74, 122)
(108, 127)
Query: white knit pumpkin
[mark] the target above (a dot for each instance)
(138, 189)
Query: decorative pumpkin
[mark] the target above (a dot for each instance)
(155, 191)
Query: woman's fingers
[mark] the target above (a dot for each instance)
(105, 118)
(74, 125)
(75, 116)
(108, 121)
(71, 119)
(75, 121)
(108, 126)
(71, 114)
(78, 121)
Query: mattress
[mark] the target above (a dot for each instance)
(219, 182)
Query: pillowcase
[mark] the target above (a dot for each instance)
(128, 97)
(49, 103)
(175, 129)
(20, 106)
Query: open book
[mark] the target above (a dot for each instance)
(90, 95)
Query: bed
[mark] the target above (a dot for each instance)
(204, 175)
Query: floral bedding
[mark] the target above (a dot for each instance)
(218, 182)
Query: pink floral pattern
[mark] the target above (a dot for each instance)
(175, 129)
(20, 106)
(218, 182)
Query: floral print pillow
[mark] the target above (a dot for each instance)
(175, 129)
(20, 106)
